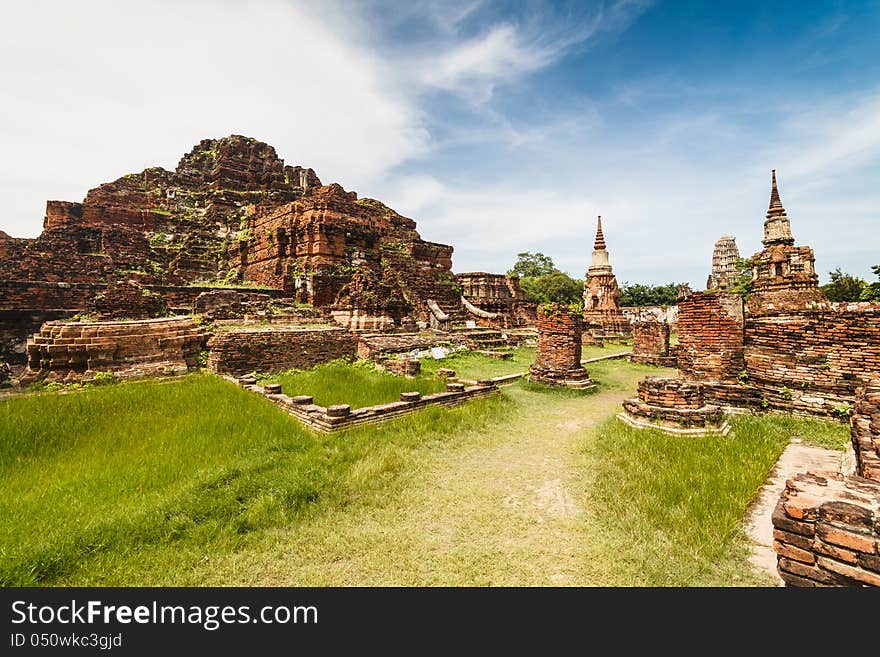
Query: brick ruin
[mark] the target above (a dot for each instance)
(329, 248)
(785, 347)
(602, 312)
(673, 405)
(76, 351)
(783, 275)
(724, 258)
(231, 213)
(495, 300)
(558, 356)
(651, 344)
(326, 419)
(826, 526)
(274, 349)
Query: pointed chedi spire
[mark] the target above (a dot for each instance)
(599, 245)
(599, 265)
(777, 229)
(775, 201)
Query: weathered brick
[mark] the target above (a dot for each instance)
(792, 552)
(846, 539)
(854, 573)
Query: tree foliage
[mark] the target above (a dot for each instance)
(843, 286)
(543, 282)
(532, 265)
(640, 294)
(872, 290)
(557, 287)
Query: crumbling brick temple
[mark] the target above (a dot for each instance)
(232, 213)
(496, 300)
(602, 312)
(558, 356)
(784, 347)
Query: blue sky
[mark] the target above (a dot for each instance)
(499, 126)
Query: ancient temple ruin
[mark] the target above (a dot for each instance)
(602, 312)
(783, 275)
(724, 258)
(784, 347)
(233, 213)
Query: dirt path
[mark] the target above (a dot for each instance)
(505, 508)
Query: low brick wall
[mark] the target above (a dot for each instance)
(826, 527)
(240, 351)
(811, 362)
(662, 391)
(335, 418)
(372, 345)
(402, 366)
(651, 344)
(673, 405)
(826, 531)
(72, 351)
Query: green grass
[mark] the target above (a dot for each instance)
(138, 483)
(471, 365)
(672, 508)
(594, 351)
(197, 481)
(358, 385)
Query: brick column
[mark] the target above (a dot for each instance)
(558, 358)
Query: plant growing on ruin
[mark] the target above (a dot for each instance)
(742, 278)
(786, 393)
(764, 404)
(842, 412)
(103, 379)
(742, 378)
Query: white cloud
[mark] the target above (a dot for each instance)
(96, 89)
(475, 66)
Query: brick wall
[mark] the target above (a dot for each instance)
(277, 349)
(651, 343)
(826, 531)
(865, 431)
(710, 336)
(71, 351)
(811, 361)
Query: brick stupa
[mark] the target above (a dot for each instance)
(602, 312)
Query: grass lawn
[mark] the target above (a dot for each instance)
(199, 482)
(471, 365)
(358, 385)
(138, 483)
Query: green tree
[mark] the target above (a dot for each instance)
(532, 265)
(639, 294)
(557, 286)
(742, 278)
(843, 287)
(872, 290)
